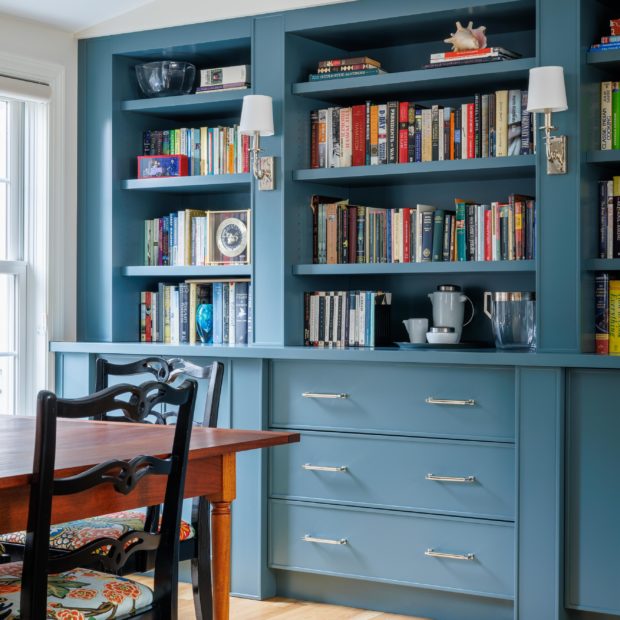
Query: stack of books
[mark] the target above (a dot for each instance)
(611, 42)
(347, 318)
(190, 237)
(470, 57)
(607, 314)
(224, 78)
(344, 233)
(492, 125)
(610, 115)
(206, 311)
(346, 67)
(609, 218)
(210, 150)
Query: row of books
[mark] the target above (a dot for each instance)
(609, 218)
(346, 233)
(210, 150)
(610, 42)
(224, 78)
(347, 318)
(206, 311)
(493, 125)
(607, 314)
(346, 67)
(468, 57)
(610, 115)
(194, 237)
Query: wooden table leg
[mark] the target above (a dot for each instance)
(220, 526)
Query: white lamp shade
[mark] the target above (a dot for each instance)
(257, 115)
(546, 91)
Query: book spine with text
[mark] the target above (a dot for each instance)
(601, 309)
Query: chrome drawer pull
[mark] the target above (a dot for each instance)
(309, 467)
(325, 541)
(431, 553)
(450, 478)
(470, 402)
(323, 395)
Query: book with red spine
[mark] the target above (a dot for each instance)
(148, 319)
(471, 132)
(406, 240)
(359, 135)
(403, 132)
(488, 247)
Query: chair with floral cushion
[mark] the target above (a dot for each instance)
(48, 586)
(195, 544)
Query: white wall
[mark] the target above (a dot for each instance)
(163, 13)
(37, 42)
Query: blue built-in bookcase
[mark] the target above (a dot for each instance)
(539, 516)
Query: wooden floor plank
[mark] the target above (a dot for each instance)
(278, 608)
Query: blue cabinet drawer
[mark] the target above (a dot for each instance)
(593, 501)
(394, 547)
(434, 475)
(394, 398)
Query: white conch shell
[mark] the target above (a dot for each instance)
(466, 38)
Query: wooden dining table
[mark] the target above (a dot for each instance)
(84, 443)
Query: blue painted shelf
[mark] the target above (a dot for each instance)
(603, 157)
(602, 264)
(192, 184)
(194, 271)
(609, 59)
(423, 172)
(412, 268)
(199, 105)
(420, 82)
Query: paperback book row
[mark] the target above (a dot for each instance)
(470, 57)
(205, 311)
(609, 218)
(607, 314)
(610, 116)
(209, 150)
(336, 68)
(194, 237)
(347, 318)
(611, 41)
(346, 233)
(369, 134)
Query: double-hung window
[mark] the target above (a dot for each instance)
(23, 260)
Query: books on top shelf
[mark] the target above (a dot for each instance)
(347, 318)
(224, 78)
(207, 311)
(344, 233)
(467, 57)
(492, 125)
(195, 237)
(610, 42)
(346, 67)
(209, 150)
(607, 314)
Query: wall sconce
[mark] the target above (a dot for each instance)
(257, 121)
(547, 94)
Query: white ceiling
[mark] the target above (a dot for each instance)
(70, 15)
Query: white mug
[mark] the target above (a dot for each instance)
(416, 328)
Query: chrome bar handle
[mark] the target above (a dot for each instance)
(325, 541)
(323, 395)
(470, 402)
(450, 478)
(431, 553)
(310, 467)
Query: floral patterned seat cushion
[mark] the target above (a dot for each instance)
(76, 534)
(79, 594)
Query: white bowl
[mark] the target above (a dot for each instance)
(442, 338)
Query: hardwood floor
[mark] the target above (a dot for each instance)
(277, 608)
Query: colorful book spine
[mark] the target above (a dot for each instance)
(601, 309)
(615, 115)
(614, 317)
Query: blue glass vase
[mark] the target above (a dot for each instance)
(204, 323)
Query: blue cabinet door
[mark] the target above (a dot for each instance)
(593, 491)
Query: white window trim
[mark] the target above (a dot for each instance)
(51, 309)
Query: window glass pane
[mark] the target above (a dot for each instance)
(4, 222)
(8, 329)
(3, 138)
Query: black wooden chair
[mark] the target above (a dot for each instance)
(195, 539)
(48, 586)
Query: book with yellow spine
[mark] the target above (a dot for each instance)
(614, 317)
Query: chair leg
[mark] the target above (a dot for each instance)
(201, 565)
